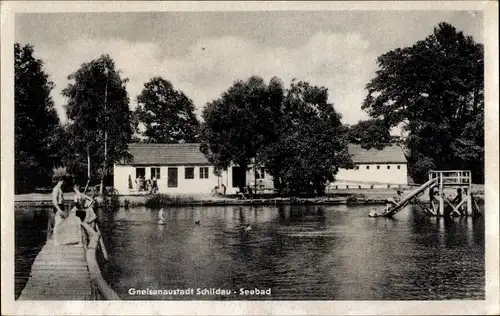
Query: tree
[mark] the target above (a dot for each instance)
(36, 121)
(100, 125)
(167, 114)
(312, 142)
(435, 90)
(241, 123)
(370, 134)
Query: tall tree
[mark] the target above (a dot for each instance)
(370, 134)
(241, 123)
(435, 90)
(167, 114)
(312, 142)
(100, 119)
(36, 121)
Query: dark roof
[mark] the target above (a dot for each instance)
(190, 154)
(390, 154)
(166, 154)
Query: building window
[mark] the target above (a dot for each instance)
(237, 177)
(399, 167)
(172, 177)
(189, 173)
(155, 173)
(367, 167)
(378, 167)
(388, 167)
(203, 172)
(140, 173)
(260, 173)
(357, 167)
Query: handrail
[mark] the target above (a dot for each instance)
(441, 171)
(94, 270)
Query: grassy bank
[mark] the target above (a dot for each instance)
(163, 200)
(341, 196)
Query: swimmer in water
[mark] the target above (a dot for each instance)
(161, 220)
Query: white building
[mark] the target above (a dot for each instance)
(180, 169)
(373, 169)
(183, 169)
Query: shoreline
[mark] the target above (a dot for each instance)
(124, 202)
(341, 197)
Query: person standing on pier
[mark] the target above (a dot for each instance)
(83, 210)
(58, 197)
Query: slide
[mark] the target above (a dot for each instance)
(401, 204)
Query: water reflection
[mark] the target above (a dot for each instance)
(305, 252)
(30, 236)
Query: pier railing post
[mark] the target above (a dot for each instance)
(463, 203)
(440, 211)
(95, 272)
(469, 202)
(469, 195)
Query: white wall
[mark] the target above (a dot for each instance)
(345, 177)
(267, 180)
(120, 178)
(188, 186)
(184, 186)
(379, 178)
(227, 180)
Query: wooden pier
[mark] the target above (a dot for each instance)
(68, 270)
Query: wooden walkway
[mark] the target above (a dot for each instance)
(60, 272)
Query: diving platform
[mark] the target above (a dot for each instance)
(442, 203)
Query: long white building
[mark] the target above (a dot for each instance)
(374, 168)
(183, 169)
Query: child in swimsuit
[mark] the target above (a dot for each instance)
(83, 211)
(58, 204)
(58, 198)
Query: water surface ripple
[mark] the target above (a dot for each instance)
(299, 255)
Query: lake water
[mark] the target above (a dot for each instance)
(345, 255)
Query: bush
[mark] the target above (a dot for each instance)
(351, 199)
(355, 198)
(162, 200)
(114, 201)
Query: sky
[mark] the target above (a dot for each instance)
(335, 49)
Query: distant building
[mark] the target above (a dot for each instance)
(374, 169)
(179, 169)
(183, 169)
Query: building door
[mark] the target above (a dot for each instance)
(172, 177)
(239, 178)
(140, 173)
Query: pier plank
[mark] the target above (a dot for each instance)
(60, 272)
